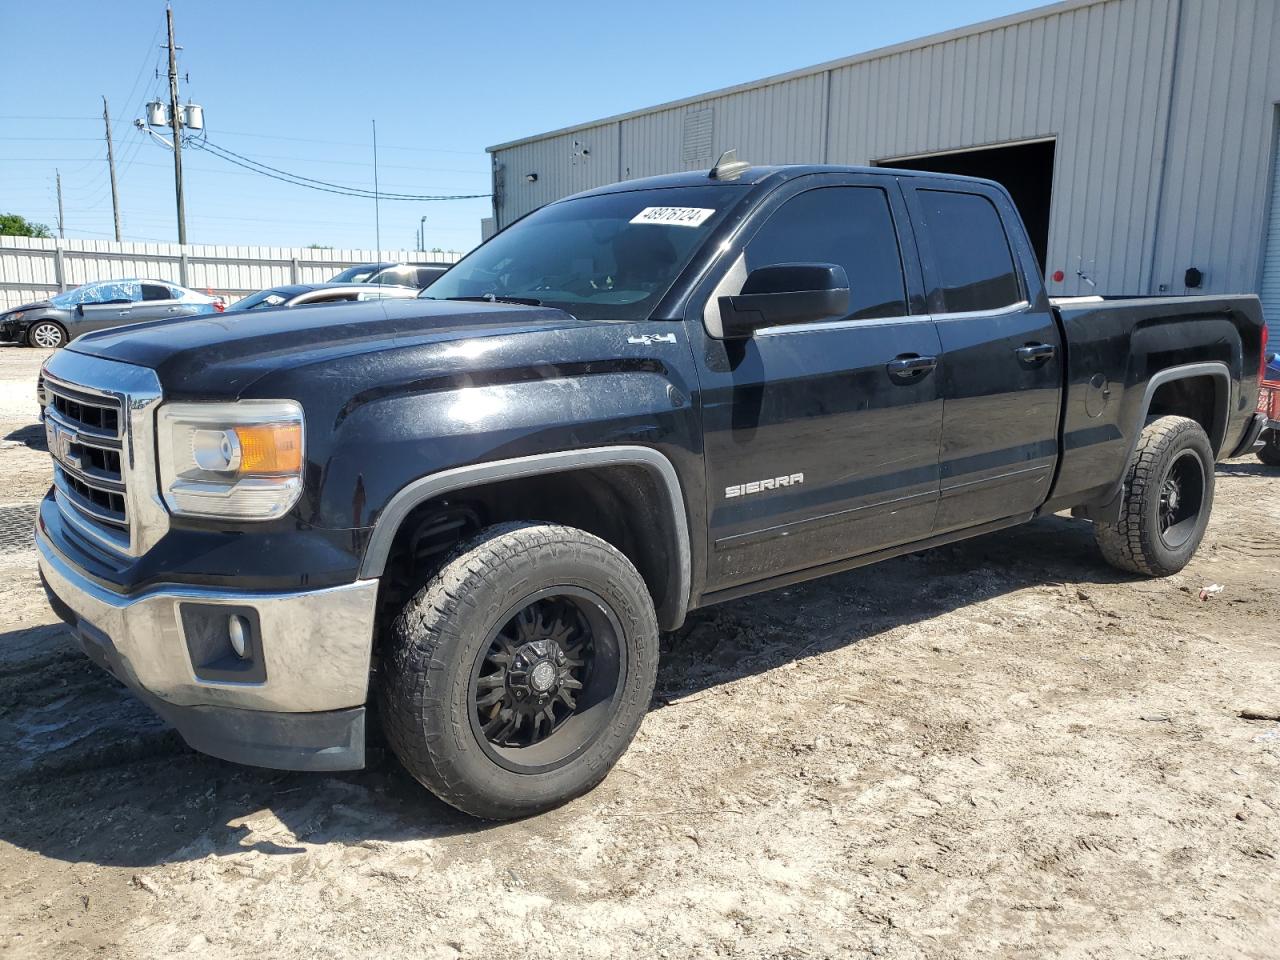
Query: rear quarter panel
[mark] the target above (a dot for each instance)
(1115, 348)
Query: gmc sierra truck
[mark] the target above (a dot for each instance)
(477, 509)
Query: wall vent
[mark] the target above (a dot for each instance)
(698, 126)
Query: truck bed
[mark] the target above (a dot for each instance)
(1119, 352)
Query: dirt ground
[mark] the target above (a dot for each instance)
(1000, 748)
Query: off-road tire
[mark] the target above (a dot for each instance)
(424, 680)
(51, 326)
(1133, 542)
(1269, 452)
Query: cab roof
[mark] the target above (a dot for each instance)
(759, 176)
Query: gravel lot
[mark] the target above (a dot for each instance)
(1001, 748)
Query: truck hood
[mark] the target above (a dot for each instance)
(219, 355)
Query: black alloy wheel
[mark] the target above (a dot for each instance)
(545, 686)
(1181, 499)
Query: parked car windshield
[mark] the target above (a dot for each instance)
(607, 257)
(261, 299)
(103, 291)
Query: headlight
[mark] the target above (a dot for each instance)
(237, 460)
(16, 315)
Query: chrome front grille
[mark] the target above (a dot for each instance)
(83, 431)
(93, 415)
(100, 426)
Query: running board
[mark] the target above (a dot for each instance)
(852, 563)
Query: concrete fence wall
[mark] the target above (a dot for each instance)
(33, 269)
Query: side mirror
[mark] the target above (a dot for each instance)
(79, 309)
(785, 293)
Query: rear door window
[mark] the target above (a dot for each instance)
(974, 264)
(156, 291)
(848, 226)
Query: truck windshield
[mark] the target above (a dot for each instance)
(607, 257)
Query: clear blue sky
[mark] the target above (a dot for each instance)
(295, 85)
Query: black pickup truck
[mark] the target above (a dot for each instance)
(477, 509)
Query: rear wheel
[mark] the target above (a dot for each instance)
(47, 334)
(516, 678)
(1168, 496)
(1269, 452)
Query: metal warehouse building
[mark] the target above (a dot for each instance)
(1138, 137)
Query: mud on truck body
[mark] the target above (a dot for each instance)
(478, 509)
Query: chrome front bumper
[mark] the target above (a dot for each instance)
(315, 648)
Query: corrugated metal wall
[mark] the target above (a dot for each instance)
(1220, 143)
(1161, 110)
(1270, 286)
(1074, 76)
(32, 269)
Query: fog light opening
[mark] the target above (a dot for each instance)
(238, 633)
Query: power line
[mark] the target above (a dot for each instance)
(18, 116)
(381, 165)
(47, 159)
(147, 54)
(341, 143)
(311, 183)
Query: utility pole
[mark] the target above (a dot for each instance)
(377, 210)
(111, 165)
(175, 121)
(62, 233)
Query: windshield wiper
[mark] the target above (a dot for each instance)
(494, 298)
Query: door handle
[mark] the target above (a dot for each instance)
(1034, 354)
(175, 309)
(909, 367)
(122, 313)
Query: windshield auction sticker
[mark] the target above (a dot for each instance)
(673, 216)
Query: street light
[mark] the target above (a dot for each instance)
(422, 234)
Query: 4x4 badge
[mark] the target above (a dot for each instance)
(648, 339)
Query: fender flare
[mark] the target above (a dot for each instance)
(459, 478)
(1222, 403)
(1108, 507)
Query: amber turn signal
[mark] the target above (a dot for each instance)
(270, 448)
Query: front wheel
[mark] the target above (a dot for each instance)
(514, 680)
(47, 334)
(1168, 496)
(1269, 452)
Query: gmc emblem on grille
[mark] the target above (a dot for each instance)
(60, 442)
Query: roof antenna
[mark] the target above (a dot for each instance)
(729, 167)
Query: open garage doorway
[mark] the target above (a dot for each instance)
(1024, 169)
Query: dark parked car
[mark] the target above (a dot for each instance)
(360, 272)
(303, 294)
(100, 306)
(480, 506)
(416, 275)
